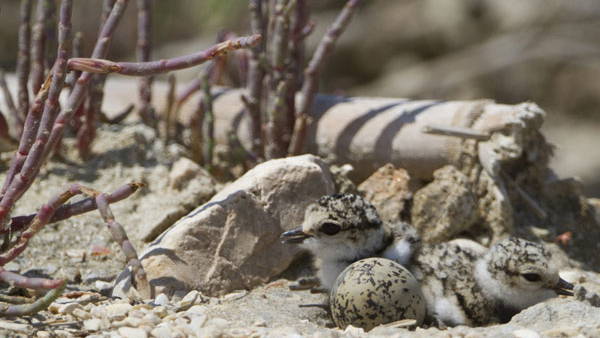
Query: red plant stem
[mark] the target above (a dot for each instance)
(311, 75)
(23, 179)
(144, 48)
(276, 126)
(38, 46)
(87, 130)
(120, 236)
(77, 95)
(40, 220)
(100, 66)
(256, 75)
(24, 56)
(77, 52)
(39, 305)
(28, 282)
(17, 122)
(27, 138)
(18, 223)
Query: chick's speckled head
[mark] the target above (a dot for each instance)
(525, 272)
(343, 222)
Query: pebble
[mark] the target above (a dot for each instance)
(188, 300)
(160, 311)
(161, 299)
(43, 334)
(93, 324)
(81, 314)
(132, 332)
(68, 309)
(117, 311)
(163, 330)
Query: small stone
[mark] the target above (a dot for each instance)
(117, 311)
(235, 295)
(151, 318)
(11, 326)
(160, 311)
(43, 334)
(197, 323)
(81, 314)
(161, 299)
(102, 285)
(68, 309)
(188, 300)
(197, 310)
(132, 332)
(133, 321)
(182, 172)
(12, 266)
(163, 330)
(260, 323)
(93, 324)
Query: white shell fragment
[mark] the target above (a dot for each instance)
(375, 291)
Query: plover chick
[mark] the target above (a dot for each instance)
(465, 285)
(342, 229)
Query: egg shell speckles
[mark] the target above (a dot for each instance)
(375, 291)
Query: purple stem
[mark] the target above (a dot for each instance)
(120, 236)
(24, 56)
(23, 179)
(18, 223)
(32, 308)
(311, 75)
(144, 47)
(100, 66)
(40, 220)
(38, 46)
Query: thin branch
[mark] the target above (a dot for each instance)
(144, 48)
(311, 75)
(78, 94)
(120, 236)
(23, 57)
(19, 223)
(461, 132)
(40, 220)
(27, 138)
(256, 74)
(276, 110)
(38, 47)
(38, 305)
(100, 66)
(35, 155)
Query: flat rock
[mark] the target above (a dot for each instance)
(232, 242)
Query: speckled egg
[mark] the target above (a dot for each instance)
(375, 291)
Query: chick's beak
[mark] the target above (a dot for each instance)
(295, 236)
(563, 288)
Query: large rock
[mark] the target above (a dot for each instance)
(232, 242)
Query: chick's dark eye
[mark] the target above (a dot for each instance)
(532, 277)
(330, 229)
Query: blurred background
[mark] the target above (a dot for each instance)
(545, 51)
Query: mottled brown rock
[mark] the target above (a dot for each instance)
(232, 242)
(389, 189)
(445, 207)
